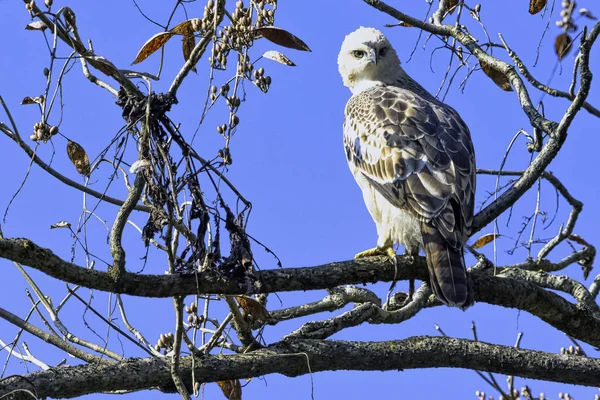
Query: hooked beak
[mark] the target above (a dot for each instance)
(373, 56)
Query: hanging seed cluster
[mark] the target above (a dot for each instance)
(193, 319)
(165, 342)
(43, 132)
(566, 22)
(238, 37)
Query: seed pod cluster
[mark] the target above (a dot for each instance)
(43, 132)
(266, 16)
(215, 92)
(566, 22)
(193, 319)
(233, 102)
(263, 82)
(165, 341)
(208, 16)
(225, 155)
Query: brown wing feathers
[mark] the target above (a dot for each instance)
(418, 154)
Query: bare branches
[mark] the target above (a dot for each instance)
(505, 292)
(365, 312)
(116, 248)
(540, 86)
(97, 62)
(53, 340)
(69, 182)
(176, 359)
(576, 205)
(290, 358)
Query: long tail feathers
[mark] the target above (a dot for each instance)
(447, 271)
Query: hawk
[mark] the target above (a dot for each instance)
(413, 158)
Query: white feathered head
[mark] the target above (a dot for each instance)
(366, 54)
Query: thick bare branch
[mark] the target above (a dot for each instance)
(505, 292)
(299, 357)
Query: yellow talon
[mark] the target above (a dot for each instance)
(391, 253)
(377, 251)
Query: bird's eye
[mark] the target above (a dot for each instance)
(358, 53)
(383, 51)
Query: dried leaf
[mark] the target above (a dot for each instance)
(499, 78)
(36, 26)
(254, 310)
(535, 6)
(280, 58)
(61, 224)
(157, 41)
(183, 27)
(578, 239)
(562, 45)
(452, 5)
(282, 37)
(32, 100)
(79, 158)
(485, 239)
(231, 389)
(586, 13)
(154, 43)
(188, 44)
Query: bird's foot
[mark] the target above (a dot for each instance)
(377, 251)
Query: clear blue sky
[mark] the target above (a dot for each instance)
(289, 161)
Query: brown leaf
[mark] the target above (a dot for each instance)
(36, 26)
(255, 312)
(282, 38)
(183, 27)
(535, 6)
(157, 41)
(231, 389)
(498, 77)
(562, 45)
(452, 5)
(32, 100)
(485, 239)
(578, 239)
(188, 44)
(79, 158)
(154, 43)
(280, 58)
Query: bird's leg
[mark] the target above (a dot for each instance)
(410, 255)
(386, 250)
(391, 253)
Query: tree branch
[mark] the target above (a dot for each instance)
(54, 340)
(506, 292)
(299, 357)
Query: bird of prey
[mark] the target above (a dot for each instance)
(413, 158)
